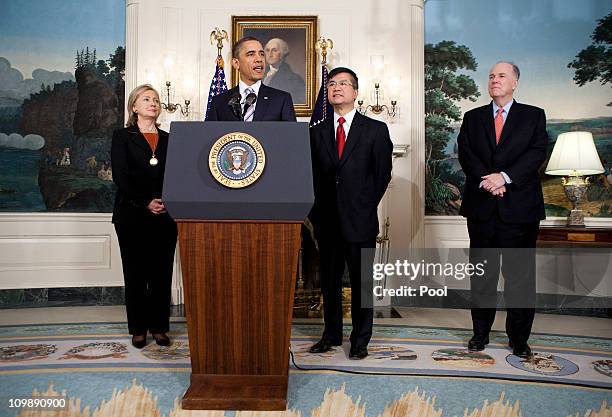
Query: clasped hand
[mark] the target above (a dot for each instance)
(156, 206)
(495, 184)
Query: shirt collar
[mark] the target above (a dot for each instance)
(242, 86)
(506, 107)
(347, 117)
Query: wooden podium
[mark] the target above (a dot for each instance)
(239, 254)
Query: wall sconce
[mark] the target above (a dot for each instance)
(377, 65)
(574, 156)
(171, 107)
(377, 108)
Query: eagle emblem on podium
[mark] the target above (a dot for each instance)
(236, 160)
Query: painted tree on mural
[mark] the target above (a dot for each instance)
(444, 86)
(595, 61)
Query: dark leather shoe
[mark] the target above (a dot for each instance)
(358, 352)
(139, 341)
(161, 339)
(476, 343)
(522, 351)
(323, 345)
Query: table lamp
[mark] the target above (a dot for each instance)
(574, 157)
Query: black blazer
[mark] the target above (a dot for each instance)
(347, 191)
(272, 105)
(138, 182)
(520, 153)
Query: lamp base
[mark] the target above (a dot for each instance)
(575, 188)
(576, 218)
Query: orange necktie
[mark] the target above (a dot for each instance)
(499, 124)
(340, 136)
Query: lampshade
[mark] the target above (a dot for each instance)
(574, 154)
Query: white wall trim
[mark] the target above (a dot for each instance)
(49, 250)
(451, 231)
(417, 123)
(131, 48)
(53, 250)
(7, 218)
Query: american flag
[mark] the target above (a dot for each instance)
(322, 107)
(217, 84)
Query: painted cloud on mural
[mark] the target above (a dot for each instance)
(13, 85)
(16, 141)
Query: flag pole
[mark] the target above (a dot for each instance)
(322, 107)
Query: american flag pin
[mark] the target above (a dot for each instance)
(265, 97)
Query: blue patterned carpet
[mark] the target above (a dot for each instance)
(94, 366)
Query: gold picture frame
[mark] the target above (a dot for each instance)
(300, 34)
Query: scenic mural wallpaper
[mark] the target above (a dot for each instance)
(62, 64)
(564, 51)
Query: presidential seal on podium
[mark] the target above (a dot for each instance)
(236, 160)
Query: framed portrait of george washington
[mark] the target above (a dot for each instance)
(289, 45)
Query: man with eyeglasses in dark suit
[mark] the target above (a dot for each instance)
(351, 159)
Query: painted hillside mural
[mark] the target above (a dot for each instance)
(564, 50)
(62, 65)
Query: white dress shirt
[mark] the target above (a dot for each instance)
(347, 124)
(242, 87)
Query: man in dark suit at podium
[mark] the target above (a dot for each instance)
(501, 148)
(251, 100)
(351, 159)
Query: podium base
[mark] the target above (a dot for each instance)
(236, 392)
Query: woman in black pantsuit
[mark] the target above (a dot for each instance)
(146, 233)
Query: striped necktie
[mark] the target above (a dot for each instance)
(248, 116)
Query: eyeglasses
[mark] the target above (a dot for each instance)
(342, 83)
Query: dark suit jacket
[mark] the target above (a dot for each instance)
(137, 181)
(272, 105)
(347, 191)
(287, 80)
(520, 153)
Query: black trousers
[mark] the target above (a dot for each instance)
(147, 254)
(510, 246)
(334, 252)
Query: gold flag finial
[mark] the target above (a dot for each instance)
(218, 35)
(323, 45)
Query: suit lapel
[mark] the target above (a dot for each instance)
(329, 139)
(139, 138)
(511, 121)
(353, 137)
(489, 124)
(262, 103)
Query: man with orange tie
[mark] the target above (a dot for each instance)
(351, 160)
(501, 148)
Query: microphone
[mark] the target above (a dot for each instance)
(234, 105)
(248, 102)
